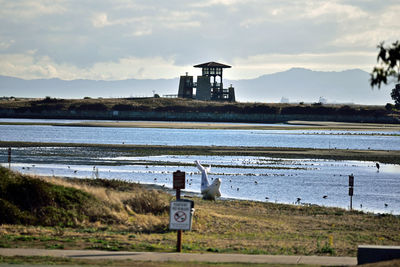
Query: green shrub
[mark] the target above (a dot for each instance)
(389, 107)
(123, 107)
(26, 200)
(89, 107)
(49, 100)
(346, 111)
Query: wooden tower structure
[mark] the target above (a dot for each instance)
(209, 85)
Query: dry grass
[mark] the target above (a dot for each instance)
(135, 207)
(218, 226)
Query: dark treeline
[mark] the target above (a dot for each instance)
(191, 106)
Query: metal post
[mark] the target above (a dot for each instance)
(351, 190)
(351, 202)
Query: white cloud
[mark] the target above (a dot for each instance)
(318, 9)
(32, 66)
(6, 44)
(370, 29)
(141, 39)
(210, 3)
(100, 20)
(145, 24)
(15, 10)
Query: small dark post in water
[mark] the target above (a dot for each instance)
(9, 157)
(178, 184)
(351, 187)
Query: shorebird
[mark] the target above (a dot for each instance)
(377, 166)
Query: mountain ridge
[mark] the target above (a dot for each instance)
(295, 84)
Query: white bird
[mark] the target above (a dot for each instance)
(209, 192)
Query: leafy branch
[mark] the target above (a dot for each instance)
(389, 64)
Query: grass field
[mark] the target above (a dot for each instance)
(120, 216)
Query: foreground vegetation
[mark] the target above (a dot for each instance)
(60, 213)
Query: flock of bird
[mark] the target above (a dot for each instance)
(189, 181)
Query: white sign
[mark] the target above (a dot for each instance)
(180, 216)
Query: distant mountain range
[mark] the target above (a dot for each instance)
(294, 85)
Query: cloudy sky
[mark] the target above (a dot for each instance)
(121, 39)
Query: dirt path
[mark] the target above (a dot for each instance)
(181, 257)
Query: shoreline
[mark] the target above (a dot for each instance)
(289, 125)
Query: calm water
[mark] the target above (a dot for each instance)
(202, 137)
(278, 180)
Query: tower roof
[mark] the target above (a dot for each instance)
(211, 64)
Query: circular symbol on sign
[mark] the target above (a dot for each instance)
(180, 216)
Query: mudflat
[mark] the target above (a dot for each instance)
(384, 156)
(290, 125)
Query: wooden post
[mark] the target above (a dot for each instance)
(178, 184)
(9, 157)
(179, 232)
(179, 241)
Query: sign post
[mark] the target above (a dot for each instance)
(9, 157)
(181, 215)
(178, 184)
(351, 189)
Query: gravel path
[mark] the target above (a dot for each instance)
(185, 257)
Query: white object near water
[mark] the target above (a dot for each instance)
(208, 191)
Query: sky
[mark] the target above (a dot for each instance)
(151, 39)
